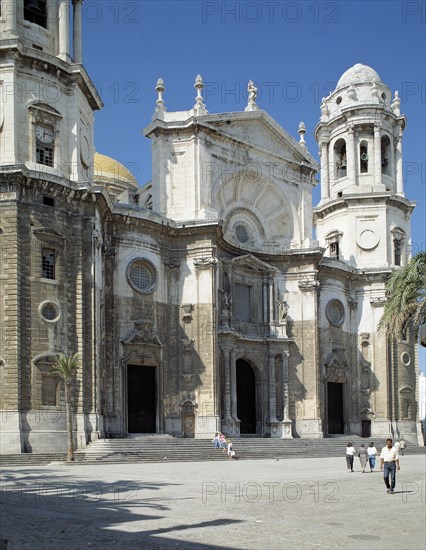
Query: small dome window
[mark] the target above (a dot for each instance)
(241, 233)
(339, 100)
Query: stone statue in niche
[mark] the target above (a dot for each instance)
(283, 308)
(226, 302)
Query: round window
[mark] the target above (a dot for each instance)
(335, 312)
(49, 311)
(339, 100)
(241, 233)
(141, 275)
(405, 358)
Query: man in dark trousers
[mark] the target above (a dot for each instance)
(389, 459)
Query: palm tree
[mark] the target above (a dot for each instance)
(65, 367)
(406, 296)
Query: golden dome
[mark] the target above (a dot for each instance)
(108, 170)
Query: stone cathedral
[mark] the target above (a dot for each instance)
(214, 297)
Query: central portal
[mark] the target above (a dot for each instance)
(141, 392)
(335, 408)
(246, 397)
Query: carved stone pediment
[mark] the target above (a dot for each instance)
(47, 233)
(251, 262)
(143, 333)
(336, 366)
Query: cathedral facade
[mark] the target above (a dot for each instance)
(213, 298)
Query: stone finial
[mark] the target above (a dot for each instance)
(396, 102)
(160, 107)
(302, 132)
(199, 107)
(252, 95)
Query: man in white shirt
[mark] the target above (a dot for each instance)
(389, 459)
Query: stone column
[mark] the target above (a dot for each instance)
(392, 163)
(325, 180)
(227, 373)
(351, 154)
(377, 156)
(272, 389)
(233, 384)
(77, 31)
(398, 164)
(64, 30)
(285, 386)
(10, 15)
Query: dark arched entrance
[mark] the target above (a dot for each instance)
(246, 397)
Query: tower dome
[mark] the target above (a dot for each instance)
(357, 74)
(113, 175)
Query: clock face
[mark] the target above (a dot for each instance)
(44, 134)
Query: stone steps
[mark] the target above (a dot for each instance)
(154, 448)
(31, 459)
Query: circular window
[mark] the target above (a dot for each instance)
(49, 311)
(142, 275)
(384, 96)
(339, 100)
(405, 358)
(241, 233)
(335, 312)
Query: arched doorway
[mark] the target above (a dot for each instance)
(246, 397)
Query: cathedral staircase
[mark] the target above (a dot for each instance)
(162, 448)
(167, 448)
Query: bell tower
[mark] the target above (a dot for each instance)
(47, 104)
(47, 99)
(363, 217)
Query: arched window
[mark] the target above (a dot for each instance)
(386, 166)
(363, 157)
(35, 11)
(340, 160)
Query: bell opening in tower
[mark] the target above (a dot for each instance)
(35, 11)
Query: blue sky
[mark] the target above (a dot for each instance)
(294, 51)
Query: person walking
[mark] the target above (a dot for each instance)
(350, 451)
(363, 457)
(389, 462)
(372, 451)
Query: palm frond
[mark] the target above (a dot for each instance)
(66, 365)
(406, 296)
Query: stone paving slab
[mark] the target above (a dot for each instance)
(303, 504)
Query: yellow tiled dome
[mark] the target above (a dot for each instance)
(108, 169)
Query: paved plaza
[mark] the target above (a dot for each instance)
(264, 504)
